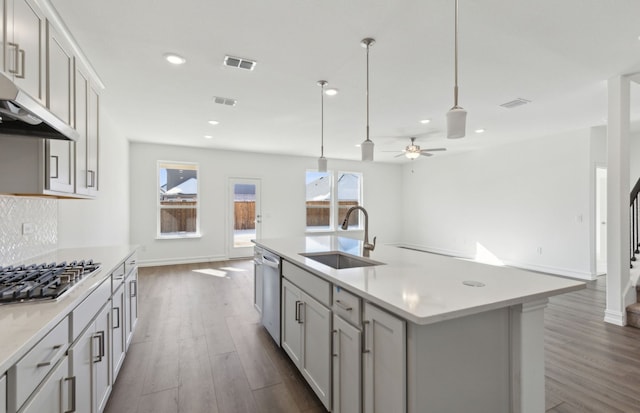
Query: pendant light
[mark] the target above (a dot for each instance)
(367, 145)
(322, 161)
(457, 116)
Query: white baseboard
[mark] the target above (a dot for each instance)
(615, 317)
(181, 260)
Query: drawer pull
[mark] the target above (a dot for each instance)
(134, 290)
(299, 308)
(48, 361)
(73, 394)
(345, 307)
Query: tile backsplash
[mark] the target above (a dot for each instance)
(42, 213)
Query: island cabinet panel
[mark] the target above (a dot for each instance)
(462, 365)
(347, 367)
(385, 361)
(291, 327)
(306, 338)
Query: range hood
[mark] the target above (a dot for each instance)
(22, 115)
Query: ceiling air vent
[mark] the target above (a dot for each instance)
(515, 103)
(224, 101)
(239, 62)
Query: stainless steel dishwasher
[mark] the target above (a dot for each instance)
(271, 294)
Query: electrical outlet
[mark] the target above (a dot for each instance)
(539, 250)
(28, 228)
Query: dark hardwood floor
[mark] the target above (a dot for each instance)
(199, 348)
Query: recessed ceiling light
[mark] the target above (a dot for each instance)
(331, 92)
(174, 58)
(425, 121)
(214, 122)
(480, 130)
(208, 137)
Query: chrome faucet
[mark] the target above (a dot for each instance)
(367, 247)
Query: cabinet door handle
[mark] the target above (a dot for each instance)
(54, 176)
(335, 347)
(100, 336)
(365, 323)
(72, 379)
(300, 307)
(344, 306)
(117, 318)
(297, 315)
(22, 60)
(49, 360)
(16, 54)
(92, 179)
(134, 290)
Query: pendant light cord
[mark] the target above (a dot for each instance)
(368, 44)
(455, 88)
(322, 120)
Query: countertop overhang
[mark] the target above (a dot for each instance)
(422, 287)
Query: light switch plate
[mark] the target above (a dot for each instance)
(28, 228)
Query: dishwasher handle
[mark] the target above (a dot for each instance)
(270, 261)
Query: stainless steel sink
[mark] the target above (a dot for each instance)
(340, 260)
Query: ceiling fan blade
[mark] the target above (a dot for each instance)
(433, 150)
(392, 151)
(399, 155)
(426, 154)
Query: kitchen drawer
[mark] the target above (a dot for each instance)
(309, 283)
(347, 305)
(3, 394)
(117, 276)
(27, 373)
(87, 310)
(130, 263)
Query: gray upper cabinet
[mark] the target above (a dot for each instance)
(39, 55)
(23, 47)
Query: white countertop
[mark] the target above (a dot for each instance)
(22, 325)
(422, 287)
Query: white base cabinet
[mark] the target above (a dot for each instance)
(385, 361)
(90, 364)
(54, 393)
(118, 331)
(306, 338)
(3, 394)
(347, 367)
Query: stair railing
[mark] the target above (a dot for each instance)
(634, 235)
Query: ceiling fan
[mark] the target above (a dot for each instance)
(413, 151)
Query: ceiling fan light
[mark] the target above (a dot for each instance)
(412, 155)
(322, 164)
(367, 150)
(456, 123)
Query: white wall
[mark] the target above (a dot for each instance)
(529, 204)
(282, 189)
(105, 220)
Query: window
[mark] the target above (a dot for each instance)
(178, 200)
(329, 196)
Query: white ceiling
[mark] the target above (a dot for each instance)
(558, 54)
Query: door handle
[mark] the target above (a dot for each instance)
(100, 336)
(117, 318)
(16, 54)
(297, 315)
(22, 60)
(72, 379)
(92, 176)
(365, 323)
(55, 157)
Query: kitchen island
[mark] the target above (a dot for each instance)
(469, 336)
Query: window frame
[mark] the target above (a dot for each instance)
(335, 220)
(159, 207)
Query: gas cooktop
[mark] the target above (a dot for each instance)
(42, 282)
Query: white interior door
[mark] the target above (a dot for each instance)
(601, 220)
(244, 216)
